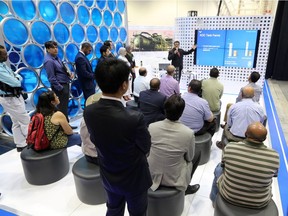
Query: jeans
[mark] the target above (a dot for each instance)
(214, 190)
(74, 139)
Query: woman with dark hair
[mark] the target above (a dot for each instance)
(56, 124)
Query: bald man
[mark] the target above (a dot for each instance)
(141, 83)
(245, 175)
(240, 115)
(151, 102)
(169, 85)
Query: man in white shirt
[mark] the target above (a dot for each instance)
(140, 83)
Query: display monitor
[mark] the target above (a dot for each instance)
(229, 48)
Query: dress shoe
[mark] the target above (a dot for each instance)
(220, 145)
(19, 149)
(191, 189)
(222, 125)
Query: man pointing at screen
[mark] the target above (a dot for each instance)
(176, 55)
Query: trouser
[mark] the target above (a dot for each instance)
(230, 137)
(209, 127)
(87, 93)
(19, 116)
(214, 190)
(195, 162)
(63, 96)
(136, 204)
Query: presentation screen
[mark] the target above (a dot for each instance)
(229, 48)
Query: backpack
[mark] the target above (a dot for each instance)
(36, 137)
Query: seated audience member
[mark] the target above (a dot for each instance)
(212, 90)
(151, 102)
(197, 114)
(140, 83)
(172, 158)
(88, 148)
(245, 175)
(240, 115)
(56, 124)
(252, 79)
(169, 85)
(122, 141)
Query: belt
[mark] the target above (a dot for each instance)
(7, 95)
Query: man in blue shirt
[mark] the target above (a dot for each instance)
(58, 76)
(13, 102)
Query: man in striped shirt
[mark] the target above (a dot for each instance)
(246, 172)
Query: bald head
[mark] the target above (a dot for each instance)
(155, 84)
(170, 69)
(142, 71)
(248, 92)
(256, 132)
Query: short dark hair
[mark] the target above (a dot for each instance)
(214, 72)
(108, 43)
(50, 44)
(142, 71)
(2, 47)
(174, 107)
(110, 75)
(86, 45)
(154, 84)
(195, 86)
(254, 76)
(44, 104)
(176, 42)
(103, 49)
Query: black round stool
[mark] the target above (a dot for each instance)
(46, 167)
(217, 115)
(165, 201)
(203, 143)
(224, 208)
(88, 182)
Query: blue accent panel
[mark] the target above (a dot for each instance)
(30, 79)
(104, 33)
(48, 10)
(73, 107)
(71, 52)
(3, 8)
(26, 10)
(34, 55)
(40, 32)
(118, 19)
(61, 33)
(83, 15)
(76, 90)
(44, 78)
(96, 17)
(67, 13)
(15, 32)
(108, 18)
(78, 33)
(121, 6)
(101, 4)
(14, 57)
(92, 33)
(89, 3)
(114, 34)
(1, 112)
(60, 53)
(97, 49)
(112, 5)
(123, 34)
(36, 95)
(6, 123)
(279, 144)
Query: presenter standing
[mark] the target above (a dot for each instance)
(176, 55)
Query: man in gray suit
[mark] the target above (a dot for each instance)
(172, 159)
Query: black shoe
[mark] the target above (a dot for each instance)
(19, 149)
(220, 145)
(73, 127)
(191, 189)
